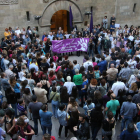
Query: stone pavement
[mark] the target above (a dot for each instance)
(55, 123)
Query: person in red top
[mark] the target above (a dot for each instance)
(52, 77)
(48, 137)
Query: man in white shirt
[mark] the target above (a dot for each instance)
(87, 63)
(131, 63)
(131, 38)
(50, 36)
(69, 85)
(33, 65)
(17, 31)
(118, 85)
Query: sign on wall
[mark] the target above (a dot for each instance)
(8, 1)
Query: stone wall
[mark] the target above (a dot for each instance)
(13, 12)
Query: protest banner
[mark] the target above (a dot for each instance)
(70, 45)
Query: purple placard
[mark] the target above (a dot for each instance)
(70, 45)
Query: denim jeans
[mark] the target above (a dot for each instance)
(14, 106)
(125, 121)
(55, 105)
(94, 130)
(36, 125)
(79, 90)
(110, 83)
(44, 128)
(83, 94)
(99, 49)
(90, 52)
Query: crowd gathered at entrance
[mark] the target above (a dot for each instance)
(106, 85)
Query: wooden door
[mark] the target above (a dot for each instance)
(59, 19)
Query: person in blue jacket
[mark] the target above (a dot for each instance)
(102, 64)
(137, 127)
(129, 134)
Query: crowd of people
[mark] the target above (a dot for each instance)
(106, 85)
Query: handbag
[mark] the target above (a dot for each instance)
(49, 101)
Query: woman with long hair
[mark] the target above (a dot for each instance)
(82, 70)
(96, 118)
(133, 89)
(64, 96)
(34, 75)
(98, 97)
(103, 87)
(48, 58)
(9, 121)
(25, 129)
(24, 84)
(121, 98)
(52, 77)
(52, 62)
(90, 73)
(44, 63)
(45, 85)
(73, 120)
(108, 125)
(60, 80)
(38, 57)
(71, 105)
(74, 92)
(48, 45)
(15, 86)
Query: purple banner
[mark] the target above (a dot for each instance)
(70, 45)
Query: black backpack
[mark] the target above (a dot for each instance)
(91, 92)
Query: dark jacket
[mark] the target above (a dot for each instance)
(102, 65)
(83, 131)
(125, 135)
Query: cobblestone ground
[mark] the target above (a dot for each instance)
(55, 123)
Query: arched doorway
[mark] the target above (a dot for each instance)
(60, 19)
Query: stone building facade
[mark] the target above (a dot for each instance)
(22, 12)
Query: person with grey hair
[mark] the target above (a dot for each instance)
(9, 72)
(133, 77)
(50, 36)
(69, 85)
(125, 72)
(78, 80)
(73, 138)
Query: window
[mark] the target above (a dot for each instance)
(28, 15)
(134, 7)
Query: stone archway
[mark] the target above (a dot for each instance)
(55, 6)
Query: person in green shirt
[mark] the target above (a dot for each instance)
(78, 80)
(112, 105)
